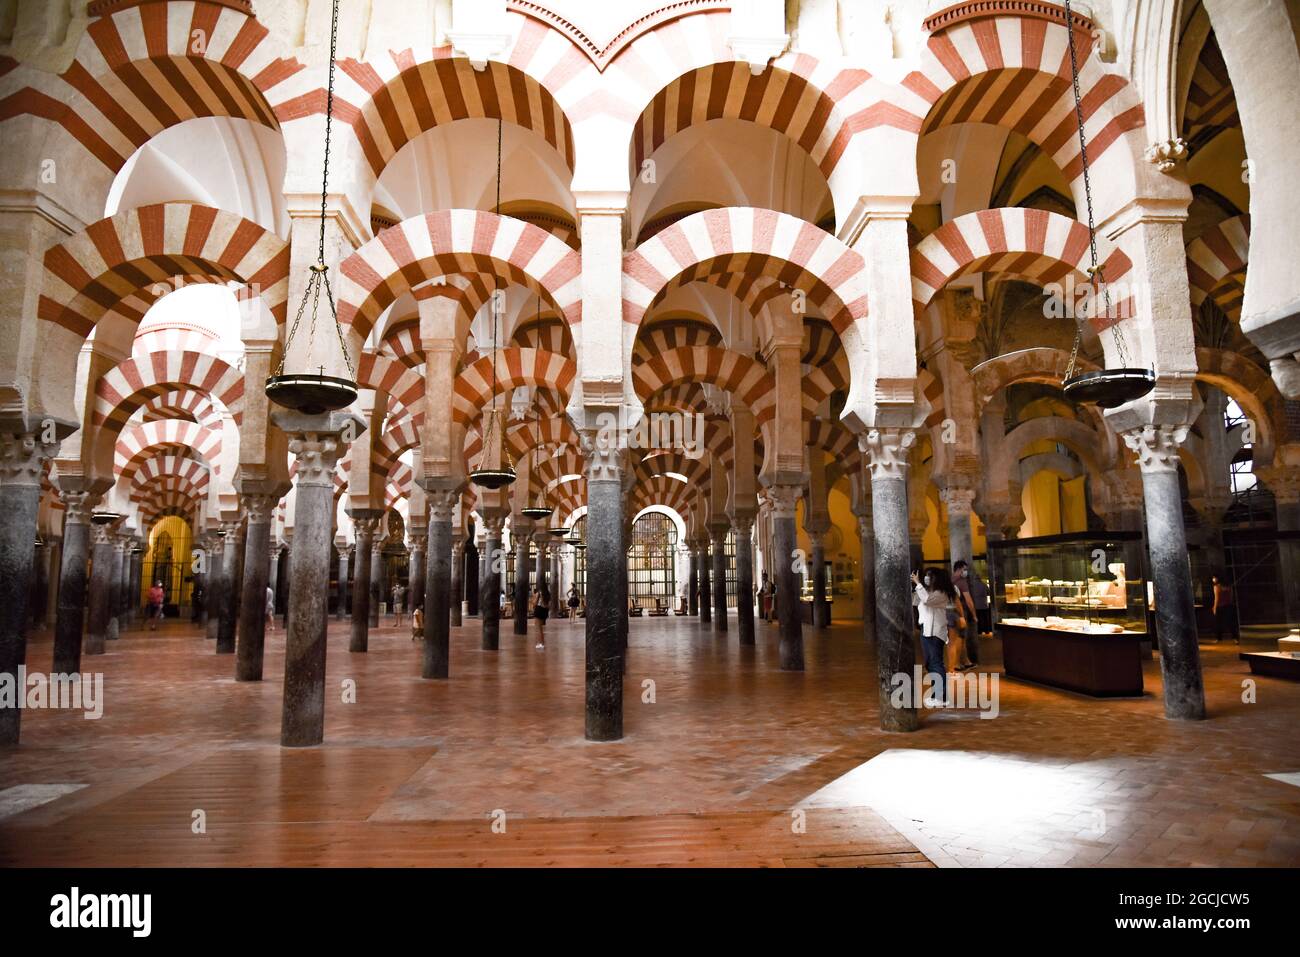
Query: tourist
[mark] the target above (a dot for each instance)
(979, 592)
(1225, 609)
(155, 605)
(417, 624)
(936, 598)
(969, 651)
(541, 609)
(399, 597)
(270, 608)
(574, 601)
(196, 602)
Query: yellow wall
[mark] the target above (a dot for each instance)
(182, 546)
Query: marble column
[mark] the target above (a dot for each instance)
(259, 506)
(1283, 480)
(541, 566)
(693, 584)
(22, 461)
(316, 445)
(958, 501)
(705, 571)
(457, 582)
(474, 573)
(101, 588)
(1171, 573)
(113, 628)
(229, 609)
(377, 595)
(521, 537)
(273, 573)
(606, 602)
(415, 578)
(867, 548)
(134, 585)
(364, 524)
(54, 550)
(438, 593)
(718, 537)
(743, 526)
(821, 600)
(556, 582)
(785, 500)
(489, 597)
(886, 452)
(344, 572)
(70, 617)
(216, 584)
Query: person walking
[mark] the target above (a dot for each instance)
(574, 602)
(541, 610)
(936, 599)
(979, 592)
(969, 651)
(156, 596)
(417, 624)
(270, 608)
(1225, 609)
(196, 602)
(399, 596)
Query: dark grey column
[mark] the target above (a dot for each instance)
(252, 604)
(490, 584)
(228, 610)
(317, 444)
(541, 564)
(216, 585)
(744, 531)
(704, 570)
(886, 451)
(273, 573)
(457, 577)
(1171, 573)
(101, 588)
(115, 590)
(137, 570)
(438, 593)
(521, 581)
(867, 546)
(342, 609)
(376, 578)
(821, 600)
(474, 572)
(70, 618)
(364, 524)
(415, 577)
(693, 584)
(555, 582)
(22, 459)
(606, 602)
(1285, 486)
(785, 499)
(719, 539)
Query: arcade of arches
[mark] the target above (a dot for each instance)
(833, 255)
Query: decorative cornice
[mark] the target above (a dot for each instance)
(106, 8)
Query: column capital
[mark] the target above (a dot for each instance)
(101, 534)
(886, 451)
(260, 506)
(603, 462)
(23, 456)
(743, 524)
(1156, 446)
(230, 529)
(492, 525)
(957, 499)
(784, 499)
(315, 456)
(77, 505)
(365, 522)
(442, 503)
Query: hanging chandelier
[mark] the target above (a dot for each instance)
(310, 392)
(539, 509)
(1105, 388)
(558, 531)
(485, 476)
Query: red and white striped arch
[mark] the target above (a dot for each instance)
(139, 252)
(1216, 265)
(146, 439)
(1014, 72)
(456, 241)
(397, 381)
(1031, 244)
(472, 388)
(172, 339)
(150, 66)
(740, 375)
(168, 472)
(127, 386)
(753, 242)
(182, 404)
(673, 334)
(549, 335)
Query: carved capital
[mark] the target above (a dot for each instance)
(101, 534)
(260, 508)
(364, 527)
(886, 451)
(1156, 446)
(784, 500)
(442, 504)
(78, 505)
(604, 464)
(23, 457)
(316, 455)
(492, 525)
(1167, 154)
(957, 499)
(743, 525)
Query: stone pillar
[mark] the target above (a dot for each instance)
(55, 557)
(743, 526)
(229, 610)
(364, 524)
(475, 570)
(113, 629)
(718, 537)
(542, 583)
(958, 500)
(821, 600)
(867, 546)
(457, 582)
(886, 452)
(316, 444)
(133, 586)
(377, 595)
(1180, 659)
(439, 596)
(273, 573)
(69, 622)
(344, 572)
(252, 602)
(216, 585)
(693, 583)
(521, 580)
(415, 579)
(1285, 486)
(606, 602)
(101, 588)
(705, 570)
(785, 500)
(489, 597)
(22, 461)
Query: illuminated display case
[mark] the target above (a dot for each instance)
(1071, 610)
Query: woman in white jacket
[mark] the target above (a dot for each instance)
(937, 602)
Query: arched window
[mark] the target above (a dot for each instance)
(652, 558)
(1241, 470)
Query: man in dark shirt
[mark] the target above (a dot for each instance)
(961, 579)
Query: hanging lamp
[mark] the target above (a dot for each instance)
(310, 392)
(483, 476)
(1105, 388)
(538, 510)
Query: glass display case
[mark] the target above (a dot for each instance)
(1071, 610)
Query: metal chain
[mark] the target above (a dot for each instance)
(1096, 273)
